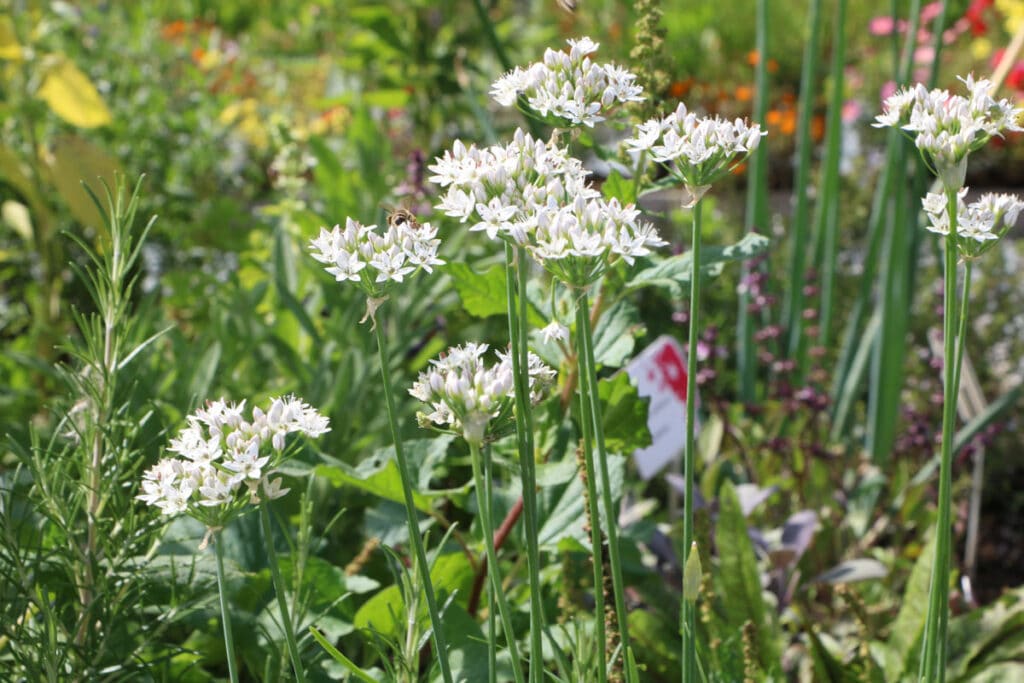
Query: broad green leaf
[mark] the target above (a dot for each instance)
(672, 274)
(482, 294)
(615, 334)
(77, 161)
(906, 632)
(565, 521)
(617, 187)
(739, 577)
(625, 415)
(71, 95)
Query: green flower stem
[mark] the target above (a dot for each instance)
(282, 605)
(933, 653)
(591, 476)
(410, 507)
(492, 633)
(688, 627)
(515, 282)
(493, 573)
(225, 615)
(587, 339)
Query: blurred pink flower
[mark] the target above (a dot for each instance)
(852, 110)
(888, 89)
(930, 11)
(924, 54)
(885, 26)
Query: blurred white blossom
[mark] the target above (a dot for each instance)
(569, 88)
(224, 460)
(470, 398)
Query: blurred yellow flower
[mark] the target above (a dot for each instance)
(244, 115)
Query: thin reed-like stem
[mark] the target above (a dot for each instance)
(515, 281)
(410, 506)
(588, 379)
(493, 572)
(282, 604)
(591, 502)
(933, 652)
(688, 627)
(225, 615)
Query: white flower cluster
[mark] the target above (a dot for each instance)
(949, 127)
(499, 188)
(980, 222)
(577, 241)
(536, 195)
(361, 254)
(700, 149)
(467, 396)
(569, 87)
(220, 452)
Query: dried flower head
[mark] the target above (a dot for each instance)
(470, 398)
(697, 150)
(946, 128)
(568, 89)
(225, 461)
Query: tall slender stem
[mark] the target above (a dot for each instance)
(410, 507)
(493, 573)
(225, 615)
(492, 632)
(282, 605)
(933, 653)
(591, 476)
(515, 281)
(689, 611)
(590, 372)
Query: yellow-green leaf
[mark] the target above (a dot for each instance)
(72, 96)
(9, 47)
(76, 160)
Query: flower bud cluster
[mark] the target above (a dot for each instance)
(978, 224)
(700, 150)
(470, 398)
(226, 460)
(361, 254)
(946, 128)
(568, 89)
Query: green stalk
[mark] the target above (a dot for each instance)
(282, 605)
(410, 506)
(493, 573)
(515, 284)
(794, 303)
(591, 475)
(225, 615)
(756, 212)
(588, 376)
(688, 627)
(492, 633)
(933, 653)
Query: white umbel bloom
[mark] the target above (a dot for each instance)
(361, 254)
(470, 398)
(978, 224)
(946, 128)
(568, 88)
(697, 150)
(226, 460)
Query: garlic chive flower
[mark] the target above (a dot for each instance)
(224, 461)
(362, 254)
(978, 224)
(697, 150)
(499, 189)
(946, 128)
(568, 89)
(471, 399)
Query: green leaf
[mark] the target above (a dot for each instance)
(565, 521)
(482, 294)
(617, 187)
(625, 415)
(77, 161)
(615, 334)
(672, 274)
(71, 95)
(345, 661)
(740, 578)
(909, 624)
(379, 474)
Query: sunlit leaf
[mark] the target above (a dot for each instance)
(72, 96)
